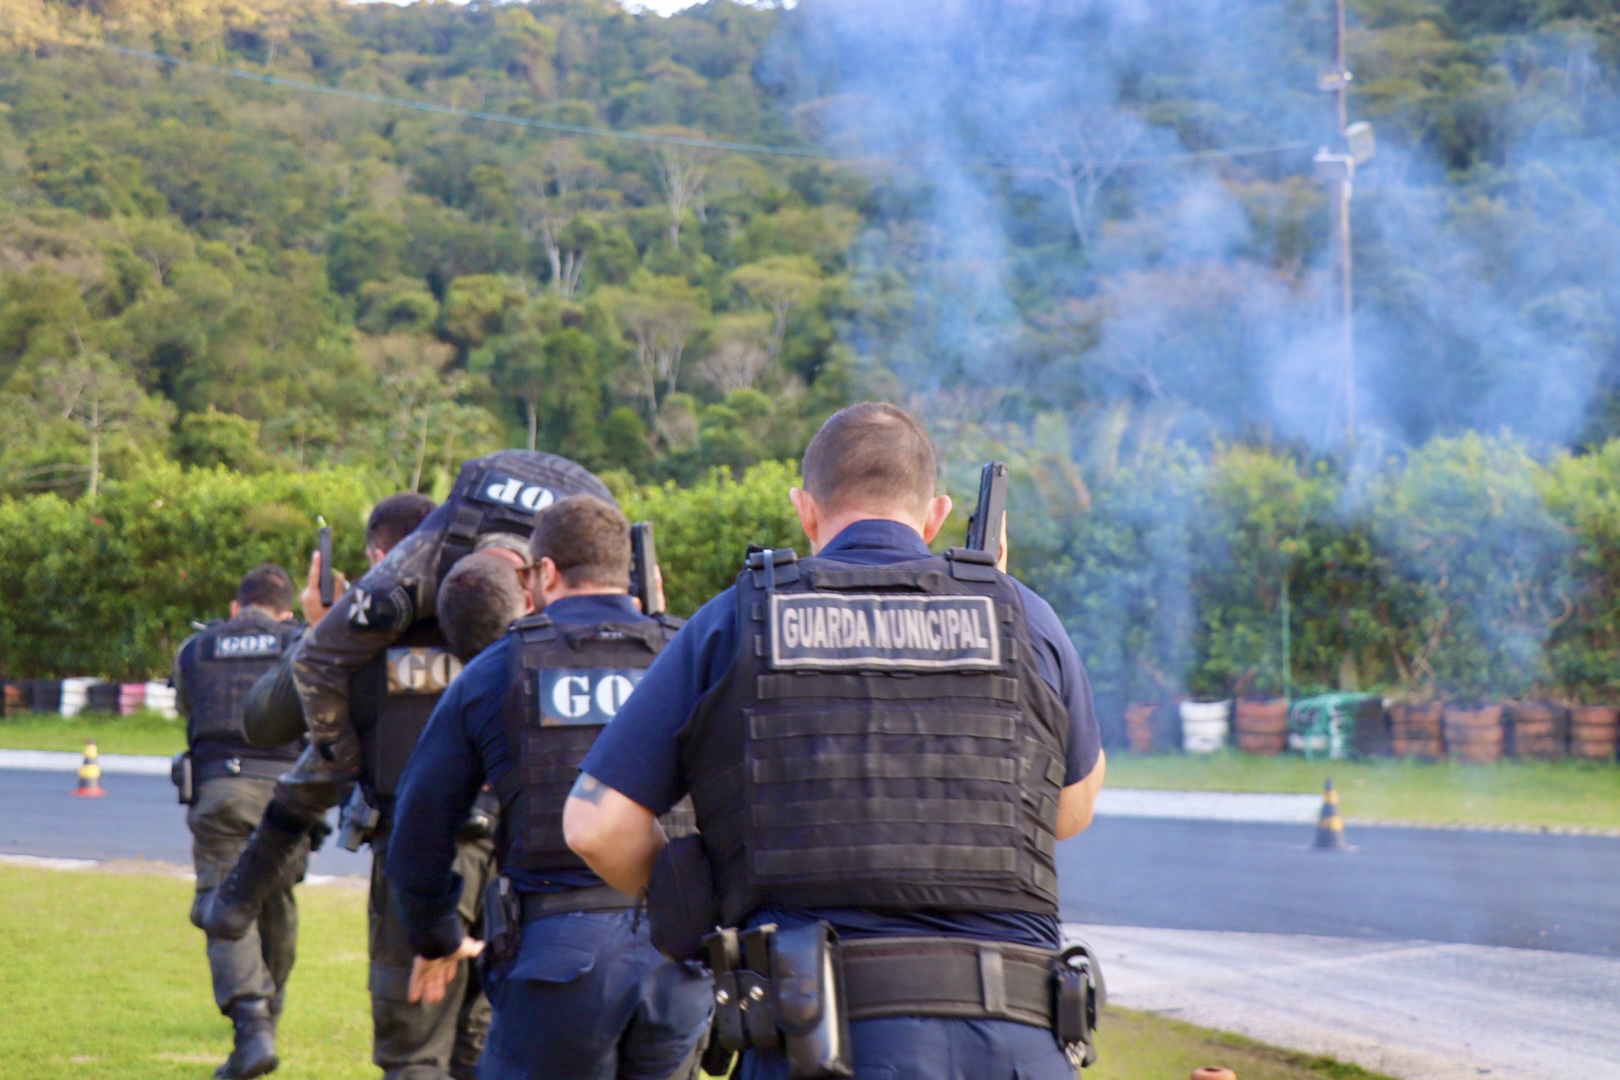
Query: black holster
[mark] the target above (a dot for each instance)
(1079, 993)
(503, 922)
(783, 988)
(180, 775)
(682, 908)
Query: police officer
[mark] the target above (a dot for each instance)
(883, 747)
(367, 676)
(414, 1040)
(272, 713)
(578, 990)
(231, 783)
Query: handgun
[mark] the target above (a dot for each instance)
(325, 547)
(984, 527)
(644, 569)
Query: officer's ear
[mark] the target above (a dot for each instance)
(809, 514)
(236, 609)
(939, 508)
(548, 581)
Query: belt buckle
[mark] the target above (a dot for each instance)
(233, 766)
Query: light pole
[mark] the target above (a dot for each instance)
(1337, 166)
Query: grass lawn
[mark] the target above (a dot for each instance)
(143, 733)
(104, 976)
(1508, 793)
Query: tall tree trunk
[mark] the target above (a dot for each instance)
(534, 421)
(421, 453)
(95, 446)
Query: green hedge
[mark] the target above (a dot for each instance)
(109, 587)
(1467, 567)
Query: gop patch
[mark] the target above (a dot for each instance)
(884, 632)
(584, 695)
(420, 670)
(504, 490)
(246, 647)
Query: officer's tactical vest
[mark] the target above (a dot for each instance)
(391, 699)
(883, 740)
(220, 666)
(567, 683)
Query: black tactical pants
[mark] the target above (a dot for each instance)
(222, 817)
(421, 1041)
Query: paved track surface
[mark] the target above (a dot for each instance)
(1506, 889)
(137, 819)
(1419, 1010)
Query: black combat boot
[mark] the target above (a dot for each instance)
(255, 1052)
(263, 865)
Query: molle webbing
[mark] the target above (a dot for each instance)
(547, 742)
(221, 665)
(877, 772)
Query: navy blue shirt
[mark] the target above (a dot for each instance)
(639, 754)
(463, 747)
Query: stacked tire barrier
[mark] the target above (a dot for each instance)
(1537, 730)
(1365, 726)
(1473, 733)
(1205, 725)
(1414, 729)
(76, 696)
(1261, 725)
(1594, 731)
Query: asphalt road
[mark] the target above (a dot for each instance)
(1478, 888)
(138, 818)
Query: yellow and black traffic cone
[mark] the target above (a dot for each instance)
(1330, 826)
(89, 774)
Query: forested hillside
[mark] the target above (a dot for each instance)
(1087, 236)
(225, 271)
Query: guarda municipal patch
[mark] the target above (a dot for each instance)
(884, 632)
(246, 647)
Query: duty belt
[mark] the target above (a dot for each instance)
(591, 898)
(252, 768)
(963, 979)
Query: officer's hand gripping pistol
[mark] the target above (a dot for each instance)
(984, 527)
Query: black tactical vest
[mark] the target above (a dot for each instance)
(219, 667)
(567, 683)
(883, 740)
(390, 700)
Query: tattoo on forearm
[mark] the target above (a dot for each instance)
(589, 788)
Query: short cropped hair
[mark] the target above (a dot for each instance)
(589, 540)
(870, 456)
(395, 518)
(266, 586)
(478, 599)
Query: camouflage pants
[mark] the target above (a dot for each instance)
(425, 1042)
